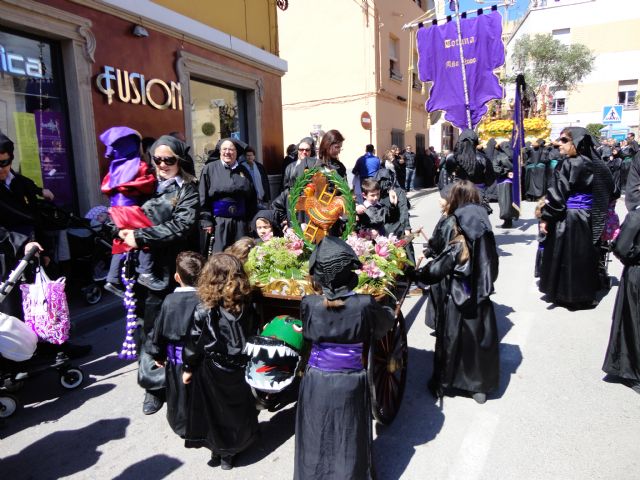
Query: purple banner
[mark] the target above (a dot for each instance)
(54, 157)
(439, 62)
(517, 142)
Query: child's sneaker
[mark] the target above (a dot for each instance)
(114, 288)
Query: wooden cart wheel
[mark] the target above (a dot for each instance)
(387, 372)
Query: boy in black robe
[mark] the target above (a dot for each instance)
(372, 213)
(169, 334)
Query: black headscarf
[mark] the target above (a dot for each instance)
(602, 179)
(178, 147)
(506, 148)
(490, 148)
(465, 152)
(271, 217)
(332, 265)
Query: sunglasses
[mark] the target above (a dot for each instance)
(4, 163)
(168, 161)
(304, 149)
(564, 139)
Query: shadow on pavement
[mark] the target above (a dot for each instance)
(280, 428)
(419, 421)
(49, 409)
(158, 466)
(510, 355)
(65, 453)
(412, 314)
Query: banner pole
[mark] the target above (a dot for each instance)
(467, 106)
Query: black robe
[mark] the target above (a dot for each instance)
(333, 422)
(172, 327)
(218, 182)
(502, 166)
(569, 272)
(222, 415)
(623, 352)
(467, 346)
(443, 233)
(615, 164)
(536, 174)
(11, 249)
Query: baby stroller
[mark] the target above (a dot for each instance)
(90, 253)
(21, 356)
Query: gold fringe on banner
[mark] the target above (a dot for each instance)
(408, 124)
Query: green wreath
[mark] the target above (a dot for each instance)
(342, 186)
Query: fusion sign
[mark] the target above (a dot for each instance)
(136, 89)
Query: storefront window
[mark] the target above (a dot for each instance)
(216, 112)
(33, 113)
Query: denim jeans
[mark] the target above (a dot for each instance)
(410, 180)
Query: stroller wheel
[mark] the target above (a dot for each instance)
(8, 405)
(71, 378)
(92, 294)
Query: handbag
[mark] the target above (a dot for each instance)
(45, 308)
(150, 376)
(17, 341)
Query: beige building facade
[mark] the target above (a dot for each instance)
(609, 28)
(347, 57)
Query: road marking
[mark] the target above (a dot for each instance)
(475, 447)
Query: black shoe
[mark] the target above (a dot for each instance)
(480, 397)
(152, 282)
(114, 288)
(507, 224)
(215, 460)
(75, 351)
(152, 403)
(226, 463)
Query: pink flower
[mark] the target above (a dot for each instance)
(372, 270)
(382, 250)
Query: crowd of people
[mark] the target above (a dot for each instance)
(186, 239)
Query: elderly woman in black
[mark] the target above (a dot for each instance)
(573, 219)
(227, 197)
(173, 211)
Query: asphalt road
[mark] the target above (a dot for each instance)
(552, 418)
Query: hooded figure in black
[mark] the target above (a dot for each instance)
(467, 346)
(333, 422)
(227, 196)
(574, 218)
(622, 360)
(503, 167)
(491, 192)
(273, 219)
(471, 164)
(536, 172)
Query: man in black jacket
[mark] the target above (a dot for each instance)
(410, 166)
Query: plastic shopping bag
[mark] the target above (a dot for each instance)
(45, 308)
(17, 341)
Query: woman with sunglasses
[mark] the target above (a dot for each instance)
(227, 197)
(172, 210)
(573, 220)
(306, 159)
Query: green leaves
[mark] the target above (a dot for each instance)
(547, 62)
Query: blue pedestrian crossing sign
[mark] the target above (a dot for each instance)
(612, 114)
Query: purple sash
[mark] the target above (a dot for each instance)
(121, 200)
(335, 357)
(229, 208)
(580, 201)
(480, 186)
(505, 180)
(174, 353)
